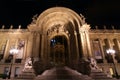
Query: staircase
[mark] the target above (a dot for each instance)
(99, 75)
(62, 73)
(26, 75)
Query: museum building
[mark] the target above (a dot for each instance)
(58, 36)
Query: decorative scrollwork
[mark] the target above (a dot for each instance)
(56, 29)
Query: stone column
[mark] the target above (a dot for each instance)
(73, 50)
(42, 46)
(48, 47)
(102, 51)
(108, 44)
(12, 72)
(77, 50)
(34, 45)
(116, 42)
(25, 49)
(69, 55)
(88, 44)
(40, 42)
(37, 45)
(29, 45)
(45, 54)
(83, 44)
(79, 44)
(6, 50)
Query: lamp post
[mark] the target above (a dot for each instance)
(112, 52)
(12, 52)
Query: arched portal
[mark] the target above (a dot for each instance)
(64, 23)
(59, 54)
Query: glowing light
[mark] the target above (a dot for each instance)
(52, 40)
(13, 51)
(110, 51)
(111, 71)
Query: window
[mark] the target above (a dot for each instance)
(97, 51)
(18, 60)
(17, 71)
(2, 48)
(20, 47)
(6, 72)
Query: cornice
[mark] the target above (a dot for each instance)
(13, 30)
(104, 31)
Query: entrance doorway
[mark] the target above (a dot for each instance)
(59, 50)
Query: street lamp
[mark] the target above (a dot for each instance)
(112, 52)
(13, 51)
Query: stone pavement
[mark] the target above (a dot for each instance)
(65, 73)
(62, 73)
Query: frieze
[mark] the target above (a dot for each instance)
(56, 29)
(104, 31)
(13, 30)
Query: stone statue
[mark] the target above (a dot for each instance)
(83, 19)
(93, 64)
(34, 19)
(28, 64)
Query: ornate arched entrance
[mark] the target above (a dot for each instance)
(60, 22)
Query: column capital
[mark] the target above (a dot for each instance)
(85, 27)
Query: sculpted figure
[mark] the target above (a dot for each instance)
(83, 18)
(93, 64)
(28, 65)
(34, 18)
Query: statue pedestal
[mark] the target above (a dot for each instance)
(27, 75)
(28, 72)
(83, 67)
(100, 75)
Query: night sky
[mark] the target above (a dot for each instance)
(97, 12)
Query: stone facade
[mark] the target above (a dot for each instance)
(35, 41)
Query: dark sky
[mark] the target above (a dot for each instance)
(96, 12)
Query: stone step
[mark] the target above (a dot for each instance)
(62, 73)
(26, 75)
(99, 75)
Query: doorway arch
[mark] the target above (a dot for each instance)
(59, 54)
